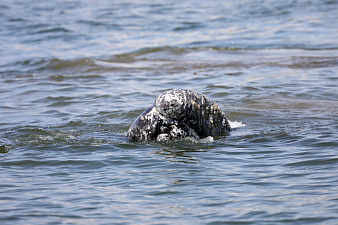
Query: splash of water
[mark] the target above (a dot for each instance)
(236, 124)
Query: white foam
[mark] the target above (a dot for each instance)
(236, 124)
(208, 139)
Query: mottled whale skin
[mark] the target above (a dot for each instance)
(179, 113)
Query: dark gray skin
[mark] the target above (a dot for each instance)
(179, 113)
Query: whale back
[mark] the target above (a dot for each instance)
(179, 113)
(203, 115)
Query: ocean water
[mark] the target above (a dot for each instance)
(75, 74)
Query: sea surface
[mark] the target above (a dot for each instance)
(75, 74)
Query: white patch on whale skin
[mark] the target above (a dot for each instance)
(197, 140)
(172, 103)
(162, 137)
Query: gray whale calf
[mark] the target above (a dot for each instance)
(179, 113)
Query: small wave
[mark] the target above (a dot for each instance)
(53, 30)
(236, 124)
(55, 66)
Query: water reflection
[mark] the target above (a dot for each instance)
(181, 151)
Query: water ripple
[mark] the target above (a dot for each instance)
(75, 74)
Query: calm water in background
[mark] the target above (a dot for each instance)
(75, 74)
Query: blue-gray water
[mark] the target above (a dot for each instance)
(75, 74)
